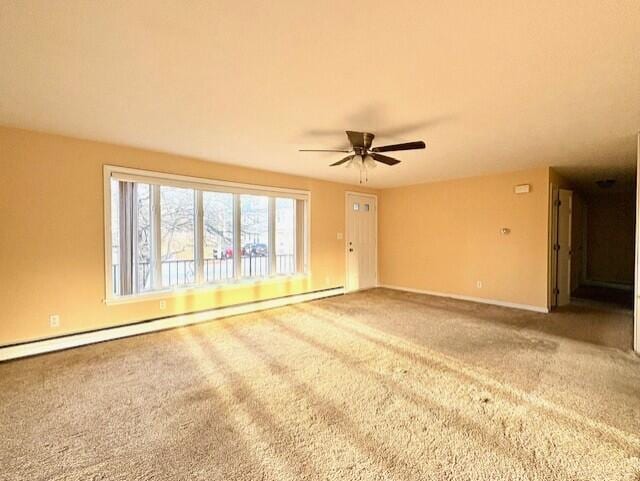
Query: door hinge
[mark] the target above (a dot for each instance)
(556, 247)
(556, 291)
(557, 203)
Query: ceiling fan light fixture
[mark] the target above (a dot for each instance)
(369, 162)
(364, 157)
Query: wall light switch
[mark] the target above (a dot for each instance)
(163, 304)
(522, 189)
(54, 320)
(479, 284)
(339, 236)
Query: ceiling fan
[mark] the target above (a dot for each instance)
(363, 156)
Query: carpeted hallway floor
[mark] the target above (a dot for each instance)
(378, 385)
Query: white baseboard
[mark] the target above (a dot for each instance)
(74, 340)
(481, 300)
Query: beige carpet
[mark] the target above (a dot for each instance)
(380, 385)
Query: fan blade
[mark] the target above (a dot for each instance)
(360, 139)
(322, 150)
(346, 159)
(406, 146)
(384, 159)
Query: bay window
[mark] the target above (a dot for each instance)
(166, 232)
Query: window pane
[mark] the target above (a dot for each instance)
(143, 239)
(218, 236)
(115, 236)
(254, 235)
(177, 236)
(285, 236)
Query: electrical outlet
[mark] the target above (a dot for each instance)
(479, 284)
(163, 304)
(54, 320)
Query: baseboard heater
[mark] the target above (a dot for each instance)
(32, 348)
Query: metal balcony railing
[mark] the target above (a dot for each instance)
(183, 272)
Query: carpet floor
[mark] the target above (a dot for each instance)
(377, 385)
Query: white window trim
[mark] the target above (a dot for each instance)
(199, 184)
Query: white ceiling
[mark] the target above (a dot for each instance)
(489, 85)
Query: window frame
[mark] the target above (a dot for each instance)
(200, 185)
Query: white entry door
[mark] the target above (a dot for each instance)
(361, 242)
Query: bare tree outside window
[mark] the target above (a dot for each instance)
(177, 228)
(143, 239)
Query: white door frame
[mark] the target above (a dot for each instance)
(636, 294)
(346, 232)
(569, 246)
(553, 230)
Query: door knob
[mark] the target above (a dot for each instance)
(350, 249)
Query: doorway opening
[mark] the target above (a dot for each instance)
(592, 250)
(593, 241)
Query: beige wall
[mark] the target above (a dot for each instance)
(611, 237)
(52, 237)
(440, 237)
(445, 236)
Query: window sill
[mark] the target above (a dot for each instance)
(194, 290)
